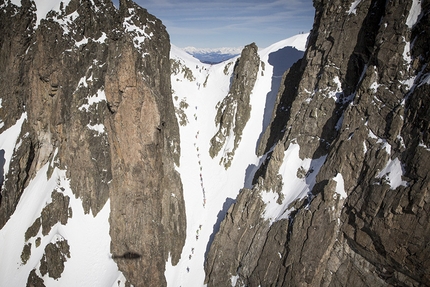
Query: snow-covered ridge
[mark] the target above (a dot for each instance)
(44, 6)
(218, 55)
(297, 41)
(213, 56)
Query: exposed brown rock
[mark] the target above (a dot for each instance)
(234, 111)
(377, 235)
(52, 262)
(53, 74)
(34, 280)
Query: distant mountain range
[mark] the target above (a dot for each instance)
(213, 55)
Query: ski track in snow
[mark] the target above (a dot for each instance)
(209, 189)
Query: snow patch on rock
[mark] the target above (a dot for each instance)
(353, 7)
(414, 13)
(340, 186)
(392, 173)
(294, 186)
(8, 141)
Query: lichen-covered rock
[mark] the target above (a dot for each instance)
(26, 253)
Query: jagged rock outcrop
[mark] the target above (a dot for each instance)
(53, 260)
(358, 103)
(234, 111)
(93, 82)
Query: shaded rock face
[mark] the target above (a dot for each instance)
(360, 98)
(98, 104)
(16, 30)
(234, 111)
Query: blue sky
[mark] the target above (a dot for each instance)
(231, 23)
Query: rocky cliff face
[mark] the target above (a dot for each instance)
(337, 195)
(92, 84)
(351, 125)
(234, 111)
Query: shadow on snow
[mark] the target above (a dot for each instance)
(281, 61)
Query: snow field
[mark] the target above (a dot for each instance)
(88, 237)
(202, 177)
(393, 172)
(209, 189)
(8, 140)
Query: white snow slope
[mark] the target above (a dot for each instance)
(90, 263)
(209, 189)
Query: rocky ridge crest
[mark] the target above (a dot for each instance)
(358, 103)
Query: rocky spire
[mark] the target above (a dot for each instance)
(234, 111)
(94, 84)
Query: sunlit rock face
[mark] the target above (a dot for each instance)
(89, 87)
(328, 188)
(342, 196)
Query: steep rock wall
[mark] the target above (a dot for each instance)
(358, 103)
(234, 111)
(94, 84)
